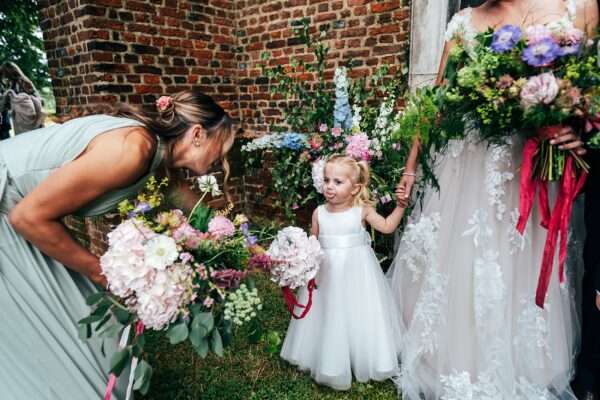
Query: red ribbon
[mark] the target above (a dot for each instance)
(557, 221)
(291, 302)
(112, 379)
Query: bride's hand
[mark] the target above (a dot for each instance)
(404, 188)
(567, 139)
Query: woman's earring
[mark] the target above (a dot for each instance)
(197, 143)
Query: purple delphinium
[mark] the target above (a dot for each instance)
(506, 38)
(141, 208)
(570, 49)
(542, 53)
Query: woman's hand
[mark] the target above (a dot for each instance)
(404, 188)
(567, 139)
(598, 301)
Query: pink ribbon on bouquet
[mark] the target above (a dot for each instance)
(557, 221)
(112, 379)
(291, 301)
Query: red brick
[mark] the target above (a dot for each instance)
(384, 6)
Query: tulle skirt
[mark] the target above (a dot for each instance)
(353, 325)
(465, 282)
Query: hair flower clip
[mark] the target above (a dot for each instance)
(163, 103)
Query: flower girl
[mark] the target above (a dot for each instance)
(352, 326)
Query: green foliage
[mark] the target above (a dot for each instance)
(21, 42)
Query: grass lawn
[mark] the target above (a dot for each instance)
(247, 371)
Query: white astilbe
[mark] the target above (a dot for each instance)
(298, 257)
(242, 305)
(318, 174)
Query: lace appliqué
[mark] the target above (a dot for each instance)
(532, 331)
(497, 162)
(489, 287)
(419, 245)
(515, 239)
(458, 386)
(479, 227)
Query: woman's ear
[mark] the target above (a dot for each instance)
(198, 135)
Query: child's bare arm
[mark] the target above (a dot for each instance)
(381, 224)
(314, 228)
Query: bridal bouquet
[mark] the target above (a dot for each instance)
(183, 276)
(531, 83)
(294, 259)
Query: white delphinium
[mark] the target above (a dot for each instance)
(383, 123)
(241, 305)
(298, 257)
(356, 118)
(318, 174)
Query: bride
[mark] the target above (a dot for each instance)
(464, 277)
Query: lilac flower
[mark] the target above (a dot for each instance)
(542, 53)
(506, 38)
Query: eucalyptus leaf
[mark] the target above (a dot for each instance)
(121, 315)
(207, 320)
(178, 333)
(216, 343)
(119, 360)
(143, 375)
(94, 298)
(111, 331)
(202, 348)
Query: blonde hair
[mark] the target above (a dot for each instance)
(361, 177)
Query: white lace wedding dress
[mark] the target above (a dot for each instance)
(466, 280)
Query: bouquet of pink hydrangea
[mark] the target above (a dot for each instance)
(296, 259)
(184, 276)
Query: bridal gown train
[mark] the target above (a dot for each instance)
(41, 354)
(465, 281)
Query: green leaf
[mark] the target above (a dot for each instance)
(143, 375)
(202, 348)
(206, 319)
(90, 319)
(199, 219)
(106, 318)
(84, 331)
(216, 344)
(94, 298)
(102, 308)
(178, 333)
(111, 331)
(272, 342)
(121, 315)
(255, 331)
(199, 331)
(119, 360)
(196, 308)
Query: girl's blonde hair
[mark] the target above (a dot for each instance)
(361, 176)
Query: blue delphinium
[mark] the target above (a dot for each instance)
(342, 113)
(506, 38)
(542, 53)
(293, 141)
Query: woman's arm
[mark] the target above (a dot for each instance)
(314, 227)
(110, 162)
(381, 224)
(404, 188)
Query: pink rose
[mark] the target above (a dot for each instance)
(539, 89)
(337, 131)
(163, 103)
(323, 128)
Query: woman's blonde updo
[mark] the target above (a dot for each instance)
(361, 176)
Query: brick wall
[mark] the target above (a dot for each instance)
(102, 51)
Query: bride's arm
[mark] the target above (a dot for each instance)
(407, 181)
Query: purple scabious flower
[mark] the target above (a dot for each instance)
(506, 38)
(542, 53)
(570, 49)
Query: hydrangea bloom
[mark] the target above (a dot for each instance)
(221, 226)
(297, 257)
(537, 33)
(293, 141)
(505, 38)
(358, 147)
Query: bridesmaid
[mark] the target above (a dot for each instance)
(85, 167)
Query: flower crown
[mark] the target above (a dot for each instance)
(163, 103)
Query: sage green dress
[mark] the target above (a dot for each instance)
(41, 354)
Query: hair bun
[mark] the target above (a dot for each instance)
(166, 108)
